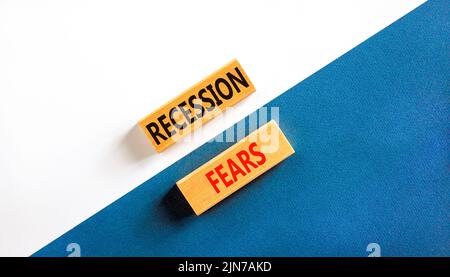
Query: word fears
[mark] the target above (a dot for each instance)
(235, 167)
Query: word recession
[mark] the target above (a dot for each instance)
(197, 105)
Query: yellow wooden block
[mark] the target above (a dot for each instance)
(197, 105)
(235, 167)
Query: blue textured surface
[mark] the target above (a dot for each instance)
(371, 133)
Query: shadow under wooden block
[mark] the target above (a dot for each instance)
(137, 145)
(176, 205)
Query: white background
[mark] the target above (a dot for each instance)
(76, 76)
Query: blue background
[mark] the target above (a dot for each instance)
(371, 134)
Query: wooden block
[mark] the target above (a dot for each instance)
(235, 167)
(197, 105)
